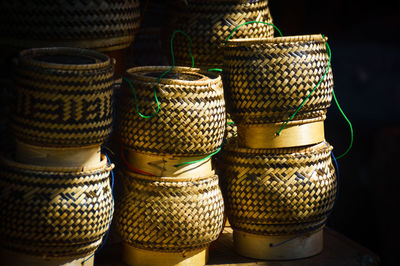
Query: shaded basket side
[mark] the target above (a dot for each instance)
(267, 81)
(279, 194)
(63, 107)
(170, 214)
(210, 23)
(53, 213)
(90, 24)
(191, 119)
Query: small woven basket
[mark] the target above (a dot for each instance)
(93, 24)
(54, 212)
(209, 23)
(170, 214)
(267, 79)
(64, 97)
(191, 119)
(278, 191)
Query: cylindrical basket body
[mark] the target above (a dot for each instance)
(278, 191)
(94, 24)
(209, 24)
(64, 97)
(267, 79)
(170, 214)
(52, 212)
(191, 117)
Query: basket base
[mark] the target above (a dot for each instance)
(9, 258)
(87, 156)
(141, 257)
(259, 246)
(264, 136)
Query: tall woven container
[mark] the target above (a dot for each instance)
(53, 213)
(209, 23)
(191, 117)
(94, 24)
(267, 79)
(163, 217)
(64, 97)
(274, 195)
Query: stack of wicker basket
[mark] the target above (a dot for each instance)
(172, 208)
(106, 26)
(280, 184)
(55, 197)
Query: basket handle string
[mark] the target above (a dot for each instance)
(111, 214)
(252, 22)
(129, 165)
(162, 75)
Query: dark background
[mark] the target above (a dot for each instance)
(365, 62)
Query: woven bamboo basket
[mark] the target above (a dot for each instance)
(170, 215)
(210, 22)
(94, 24)
(267, 79)
(64, 97)
(52, 212)
(191, 118)
(279, 193)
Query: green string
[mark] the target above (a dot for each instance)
(162, 75)
(251, 22)
(215, 69)
(203, 159)
(350, 125)
(308, 96)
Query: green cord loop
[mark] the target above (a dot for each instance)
(162, 75)
(252, 22)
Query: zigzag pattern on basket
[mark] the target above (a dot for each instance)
(209, 23)
(64, 105)
(53, 212)
(267, 79)
(65, 20)
(191, 119)
(170, 214)
(282, 191)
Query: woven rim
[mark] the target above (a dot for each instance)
(169, 215)
(278, 191)
(278, 40)
(204, 78)
(28, 57)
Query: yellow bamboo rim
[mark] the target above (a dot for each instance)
(86, 156)
(143, 257)
(286, 247)
(166, 165)
(263, 136)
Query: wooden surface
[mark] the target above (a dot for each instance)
(338, 251)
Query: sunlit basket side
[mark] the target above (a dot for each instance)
(64, 97)
(170, 214)
(93, 24)
(191, 117)
(267, 79)
(279, 191)
(54, 212)
(209, 23)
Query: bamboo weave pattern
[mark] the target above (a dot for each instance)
(209, 23)
(170, 214)
(51, 212)
(67, 103)
(93, 24)
(266, 80)
(278, 192)
(191, 119)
